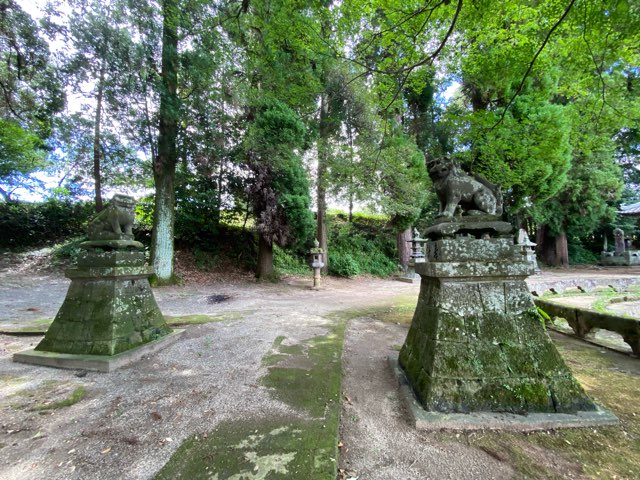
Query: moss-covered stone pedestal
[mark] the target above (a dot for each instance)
(476, 342)
(109, 308)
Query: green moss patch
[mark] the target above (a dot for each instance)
(76, 395)
(50, 395)
(399, 310)
(26, 327)
(40, 326)
(610, 379)
(599, 298)
(200, 319)
(279, 448)
(307, 376)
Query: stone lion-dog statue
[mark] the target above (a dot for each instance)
(474, 194)
(115, 222)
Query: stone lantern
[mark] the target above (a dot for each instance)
(528, 249)
(415, 257)
(317, 262)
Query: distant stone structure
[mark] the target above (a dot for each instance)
(528, 248)
(317, 262)
(416, 256)
(622, 255)
(476, 342)
(109, 308)
(620, 247)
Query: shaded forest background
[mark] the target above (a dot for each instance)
(238, 123)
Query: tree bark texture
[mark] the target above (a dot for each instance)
(164, 168)
(552, 250)
(97, 178)
(321, 189)
(265, 258)
(404, 247)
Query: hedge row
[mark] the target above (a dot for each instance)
(34, 224)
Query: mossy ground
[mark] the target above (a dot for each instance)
(613, 381)
(307, 376)
(399, 311)
(40, 326)
(49, 395)
(603, 296)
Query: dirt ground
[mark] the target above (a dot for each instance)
(131, 421)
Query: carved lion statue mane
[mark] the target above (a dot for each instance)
(474, 194)
(115, 222)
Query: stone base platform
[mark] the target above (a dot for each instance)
(437, 421)
(96, 363)
(406, 279)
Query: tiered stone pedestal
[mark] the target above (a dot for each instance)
(624, 259)
(109, 309)
(476, 342)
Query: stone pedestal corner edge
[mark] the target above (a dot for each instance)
(421, 419)
(96, 363)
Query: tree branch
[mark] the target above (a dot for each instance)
(533, 61)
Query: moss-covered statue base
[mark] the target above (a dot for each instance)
(476, 342)
(109, 307)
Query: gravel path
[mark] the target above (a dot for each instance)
(133, 419)
(378, 442)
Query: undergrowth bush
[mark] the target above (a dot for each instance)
(287, 263)
(364, 245)
(68, 249)
(26, 224)
(342, 264)
(579, 255)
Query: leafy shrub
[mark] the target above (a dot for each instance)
(287, 263)
(33, 224)
(579, 255)
(205, 260)
(69, 249)
(364, 245)
(342, 264)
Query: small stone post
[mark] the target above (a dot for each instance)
(317, 262)
(620, 247)
(528, 249)
(415, 257)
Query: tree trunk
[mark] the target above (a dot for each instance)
(551, 249)
(404, 247)
(96, 140)
(220, 181)
(164, 169)
(265, 258)
(323, 145)
(350, 207)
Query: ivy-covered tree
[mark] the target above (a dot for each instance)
(279, 188)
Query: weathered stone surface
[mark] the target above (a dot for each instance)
(475, 269)
(471, 249)
(475, 227)
(113, 244)
(472, 194)
(583, 321)
(115, 222)
(109, 307)
(624, 259)
(476, 342)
